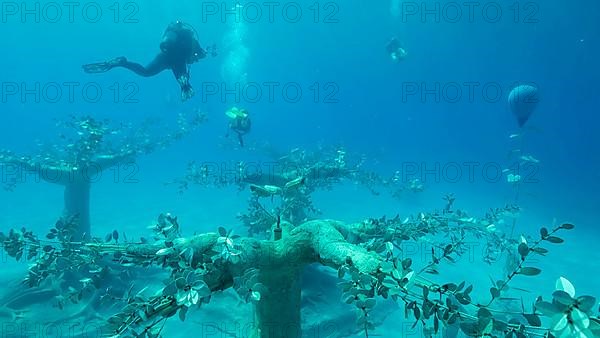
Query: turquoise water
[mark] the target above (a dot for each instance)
(394, 115)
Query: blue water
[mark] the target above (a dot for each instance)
(362, 105)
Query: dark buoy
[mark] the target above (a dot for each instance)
(523, 100)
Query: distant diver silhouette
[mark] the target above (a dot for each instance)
(523, 100)
(240, 123)
(178, 49)
(395, 50)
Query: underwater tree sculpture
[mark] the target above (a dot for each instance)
(320, 169)
(86, 158)
(365, 254)
(288, 182)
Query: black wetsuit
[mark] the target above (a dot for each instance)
(393, 46)
(177, 51)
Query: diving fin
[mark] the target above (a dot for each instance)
(102, 67)
(187, 92)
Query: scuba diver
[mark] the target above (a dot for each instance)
(240, 123)
(395, 50)
(178, 49)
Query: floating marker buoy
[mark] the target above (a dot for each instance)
(523, 100)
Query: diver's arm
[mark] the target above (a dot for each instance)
(180, 70)
(169, 40)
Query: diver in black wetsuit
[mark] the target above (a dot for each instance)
(178, 49)
(395, 50)
(240, 123)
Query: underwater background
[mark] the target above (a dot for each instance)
(363, 106)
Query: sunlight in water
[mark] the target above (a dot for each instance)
(395, 8)
(234, 68)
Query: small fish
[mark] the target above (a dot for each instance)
(529, 158)
(294, 183)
